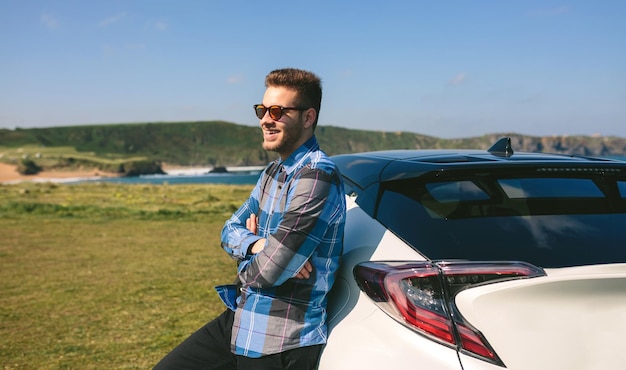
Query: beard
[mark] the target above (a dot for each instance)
(289, 138)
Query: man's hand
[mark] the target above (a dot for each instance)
(305, 271)
(258, 246)
(253, 226)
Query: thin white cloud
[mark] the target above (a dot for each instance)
(235, 79)
(161, 25)
(459, 79)
(548, 12)
(113, 19)
(49, 20)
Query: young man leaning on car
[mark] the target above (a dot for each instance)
(288, 239)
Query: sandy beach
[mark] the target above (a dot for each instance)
(9, 174)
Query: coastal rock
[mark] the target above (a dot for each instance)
(141, 167)
(219, 169)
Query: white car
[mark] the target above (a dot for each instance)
(459, 259)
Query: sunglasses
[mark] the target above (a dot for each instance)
(276, 111)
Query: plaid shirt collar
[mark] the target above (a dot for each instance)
(301, 155)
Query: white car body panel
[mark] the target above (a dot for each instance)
(565, 320)
(370, 339)
(370, 240)
(352, 344)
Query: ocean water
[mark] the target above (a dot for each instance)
(248, 178)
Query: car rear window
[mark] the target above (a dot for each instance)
(550, 221)
(455, 191)
(550, 188)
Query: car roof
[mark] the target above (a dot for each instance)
(367, 168)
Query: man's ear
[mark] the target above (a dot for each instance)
(309, 117)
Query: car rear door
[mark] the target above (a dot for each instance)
(573, 318)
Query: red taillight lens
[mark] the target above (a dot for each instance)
(421, 296)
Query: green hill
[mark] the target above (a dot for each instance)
(217, 143)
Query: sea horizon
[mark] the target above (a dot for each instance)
(245, 175)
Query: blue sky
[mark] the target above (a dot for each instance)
(441, 68)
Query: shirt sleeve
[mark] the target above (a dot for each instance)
(302, 227)
(236, 238)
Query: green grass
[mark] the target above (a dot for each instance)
(106, 276)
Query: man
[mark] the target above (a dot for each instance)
(288, 240)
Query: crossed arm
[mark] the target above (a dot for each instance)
(256, 247)
(268, 259)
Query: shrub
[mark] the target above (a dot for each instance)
(28, 167)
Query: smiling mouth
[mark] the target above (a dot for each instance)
(270, 132)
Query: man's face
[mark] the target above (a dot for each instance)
(288, 132)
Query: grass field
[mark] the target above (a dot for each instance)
(106, 276)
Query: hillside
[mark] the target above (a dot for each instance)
(217, 143)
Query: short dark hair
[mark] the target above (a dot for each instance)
(307, 85)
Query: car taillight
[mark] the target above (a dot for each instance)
(420, 295)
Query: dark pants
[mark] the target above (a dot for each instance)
(209, 348)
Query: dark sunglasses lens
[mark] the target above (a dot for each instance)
(260, 110)
(275, 112)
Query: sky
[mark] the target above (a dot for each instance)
(448, 69)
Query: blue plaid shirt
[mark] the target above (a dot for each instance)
(301, 211)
